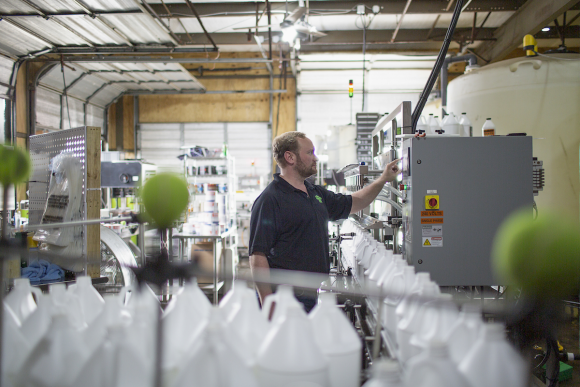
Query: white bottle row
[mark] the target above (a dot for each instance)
(75, 337)
(436, 344)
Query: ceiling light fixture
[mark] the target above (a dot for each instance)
(545, 29)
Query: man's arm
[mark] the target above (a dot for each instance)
(362, 198)
(259, 265)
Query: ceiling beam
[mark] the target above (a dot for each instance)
(529, 19)
(355, 36)
(387, 7)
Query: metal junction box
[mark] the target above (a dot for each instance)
(121, 174)
(457, 192)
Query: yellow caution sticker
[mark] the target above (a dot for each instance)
(433, 241)
(427, 243)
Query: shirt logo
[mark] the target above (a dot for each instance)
(318, 198)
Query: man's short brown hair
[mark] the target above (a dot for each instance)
(286, 142)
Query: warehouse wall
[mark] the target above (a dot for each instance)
(121, 125)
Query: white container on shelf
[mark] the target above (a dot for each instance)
(338, 340)
(434, 368)
(20, 299)
(432, 125)
(492, 361)
(290, 356)
(385, 373)
(92, 304)
(464, 332)
(488, 128)
(450, 125)
(466, 128)
(276, 305)
(422, 125)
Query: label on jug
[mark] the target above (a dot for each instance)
(488, 132)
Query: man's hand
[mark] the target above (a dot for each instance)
(391, 171)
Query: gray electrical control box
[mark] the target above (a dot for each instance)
(457, 192)
(121, 174)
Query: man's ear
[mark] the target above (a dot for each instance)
(290, 158)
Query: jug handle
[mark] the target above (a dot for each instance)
(269, 306)
(536, 64)
(36, 292)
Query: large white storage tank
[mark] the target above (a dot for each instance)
(541, 97)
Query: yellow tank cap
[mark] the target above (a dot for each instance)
(530, 45)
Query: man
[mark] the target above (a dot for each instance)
(289, 222)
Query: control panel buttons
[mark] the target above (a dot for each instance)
(432, 202)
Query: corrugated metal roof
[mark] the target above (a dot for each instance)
(17, 42)
(93, 29)
(139, 28)
(107, 95)
(5, 69)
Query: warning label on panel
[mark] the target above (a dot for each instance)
(428, 230)
(431, 220)
(431, 213)
(433, 241)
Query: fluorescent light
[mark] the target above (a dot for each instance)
(546, 29)
(288, 34)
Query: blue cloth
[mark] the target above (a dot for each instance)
(42, 271)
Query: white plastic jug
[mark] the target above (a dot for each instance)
(400, 286)
(421, 280)
(185, 313)
(57, 358)
(217, 359)
(15, 348)
(290, 355)
(412, 321)
(465, 332)
(246, 321)
(68, 303)
(488, 128)
(115, 363)
(385, 373)
(114, 314)
(394, 270)
(20, 299)
(338, 340)
(233, 297)
(378, 270)
(92, 304)
(422, 125)
(434, 368)
(467, 129)
(450, 125)
(438, 318)
(275, 305)
(369, 252)
(432, 124)
(492, 361)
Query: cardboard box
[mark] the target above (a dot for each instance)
(202, 254)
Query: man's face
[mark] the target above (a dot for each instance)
(305, 159)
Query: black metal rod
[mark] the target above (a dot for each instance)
(438, 64)
(190, 5)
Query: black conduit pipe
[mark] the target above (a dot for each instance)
(471, 58)
(438, 64)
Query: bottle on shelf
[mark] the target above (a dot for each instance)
(488, 128)
(467, 129)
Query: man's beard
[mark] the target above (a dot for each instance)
(303, 170)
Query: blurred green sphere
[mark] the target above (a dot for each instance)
(541, 256)
(15, 165)
(165, 197)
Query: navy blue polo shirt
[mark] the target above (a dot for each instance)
(291, 227)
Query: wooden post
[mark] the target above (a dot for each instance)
(93, 196)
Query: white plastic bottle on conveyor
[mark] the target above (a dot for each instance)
(338, 340)
(385, 373)
(92, 304)
(422, 126)
(434, 368)
(467, 129)
(20, 299)
(464, 332)
(492, 361)
(290, 355)
(488, 128)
